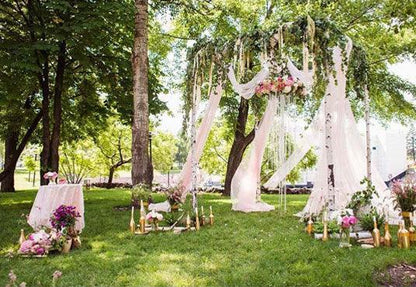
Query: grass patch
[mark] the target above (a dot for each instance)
(257, 249)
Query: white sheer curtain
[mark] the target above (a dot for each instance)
(185, 176)
(349, 154)
(246, 180)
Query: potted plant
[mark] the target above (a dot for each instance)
(141, 192)
(51, 176)
(361, 200)
(63, 219)
(367, 220)
(153, 218)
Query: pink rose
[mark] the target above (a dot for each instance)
(26, 245)
(345, 222)
(353, 220)
(40, 251)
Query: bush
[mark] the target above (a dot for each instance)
(112, 185)
(367, 222)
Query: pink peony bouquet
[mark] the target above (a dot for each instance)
(347, 221)
(154, 216)
(38, 243)
(286, 85)
(41, 242)
(51, 175)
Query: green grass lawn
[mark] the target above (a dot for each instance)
(257, 249)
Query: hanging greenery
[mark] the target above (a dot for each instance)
(308, 42)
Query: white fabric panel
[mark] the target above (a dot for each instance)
(247, 177)
(349, 153)
(247, 90)
(305, 77)
(185, 176)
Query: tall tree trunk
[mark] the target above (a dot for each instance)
(241, 141)
(57, 108)
(111, 175)
(44, 155)
(7, 183)
(140, 127)
(10, 166)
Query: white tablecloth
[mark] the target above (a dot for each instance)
(50, 197)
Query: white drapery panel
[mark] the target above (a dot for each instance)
(246, 179)
(185, 177)
(309, 138)
(305, 77)
(247, 90)
(349, 154)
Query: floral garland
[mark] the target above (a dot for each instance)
(281, 85)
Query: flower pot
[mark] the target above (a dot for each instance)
(76, 242)
(67, 246)
(406, 217)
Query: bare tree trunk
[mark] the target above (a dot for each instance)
(367, 129)
(329, 156)
(140, 127)
(241, 141)
(7, 183)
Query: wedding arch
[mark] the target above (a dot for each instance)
(325, 55)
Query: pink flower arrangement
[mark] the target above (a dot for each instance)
(41, 242)
(405, 193)
(64, 216)
(348, 220)
(153, 215)
(286, 85)
(38, 243)
(51, 175)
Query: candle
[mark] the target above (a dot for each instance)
(211, 216)
(196, 219)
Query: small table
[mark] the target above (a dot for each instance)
(50, 197)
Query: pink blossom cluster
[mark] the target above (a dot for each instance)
(154, 216)
(348, 220)
(50, 175)
(403, 189)
(405, 193)
(280, 85)
(38, 243)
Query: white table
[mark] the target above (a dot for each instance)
(50, 197)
